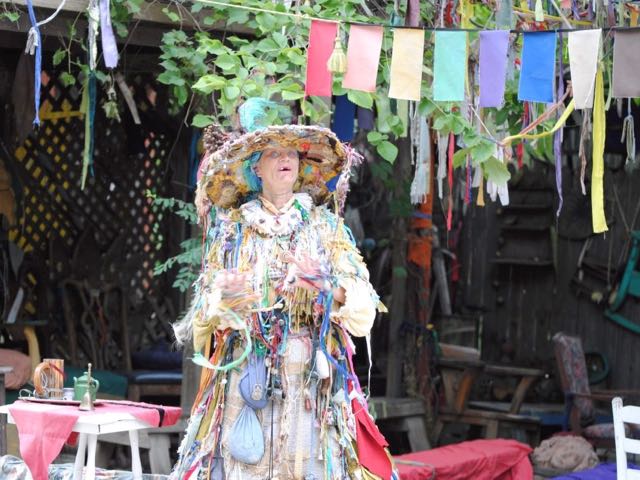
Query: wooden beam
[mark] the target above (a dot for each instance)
(149, 12)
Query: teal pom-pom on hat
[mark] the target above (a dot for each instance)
(257, 113)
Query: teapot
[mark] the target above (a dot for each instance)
(84, 383)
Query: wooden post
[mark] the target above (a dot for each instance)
(397, 309)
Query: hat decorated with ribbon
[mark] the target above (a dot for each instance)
(226, 178)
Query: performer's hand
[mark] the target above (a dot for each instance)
(232, 283)
(307, 273)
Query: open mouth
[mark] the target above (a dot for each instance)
(284, 169)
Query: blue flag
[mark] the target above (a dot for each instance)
(538, 67)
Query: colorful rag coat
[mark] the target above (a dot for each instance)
(278, 396)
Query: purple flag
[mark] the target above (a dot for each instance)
(493, 66)
(537, 75)
(109, 47)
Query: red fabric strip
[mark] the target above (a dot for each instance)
(321, 42)
(450, 175)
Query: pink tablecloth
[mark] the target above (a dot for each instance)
(478, 459)
(44, 428)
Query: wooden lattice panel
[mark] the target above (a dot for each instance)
(114, 201)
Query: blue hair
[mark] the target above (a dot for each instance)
(250, 177)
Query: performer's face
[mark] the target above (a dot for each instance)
(278, 169)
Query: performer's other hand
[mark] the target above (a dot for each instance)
(231, 283)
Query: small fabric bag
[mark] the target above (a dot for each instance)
(245, 441)
(253, 384)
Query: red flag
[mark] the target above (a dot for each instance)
(322, 36)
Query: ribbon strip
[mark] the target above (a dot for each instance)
(597, 171)
(38, 67)
(109, 47)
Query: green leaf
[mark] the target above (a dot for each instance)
(212, 45)
(460, 157)
(11, 16)
(209, 83)
(67, 79)
(441, 123)
(59, 56)
(227, 62)
(170, 77)
(173, 16)
(202, 121)
(375, 137)
(291, 95)
(387, 150)
(181, 93)
(482, 152)
(496, 171)
(231, 92)
(362, 99)
(280, 39)
(426, 107)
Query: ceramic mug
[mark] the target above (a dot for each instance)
(67, 393)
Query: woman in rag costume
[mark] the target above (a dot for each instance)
(282, 290)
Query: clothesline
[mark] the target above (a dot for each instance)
(300, 16)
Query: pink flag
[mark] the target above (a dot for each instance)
(322, 36)
(363, 56)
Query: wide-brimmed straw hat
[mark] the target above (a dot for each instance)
(325, 165)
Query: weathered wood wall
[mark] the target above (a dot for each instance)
(524, 306)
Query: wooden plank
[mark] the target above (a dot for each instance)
(149, 12)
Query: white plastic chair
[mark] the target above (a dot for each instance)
(624, 444)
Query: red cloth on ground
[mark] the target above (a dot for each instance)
(478, 459)
(43, 428)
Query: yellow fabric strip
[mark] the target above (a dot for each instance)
(60, 115)
(534, 136)
(406, 64)
(480, 201)
(597, 171)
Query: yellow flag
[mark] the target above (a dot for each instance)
(597, 171)
(406, 64)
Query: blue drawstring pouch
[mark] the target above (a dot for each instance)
(245, 441)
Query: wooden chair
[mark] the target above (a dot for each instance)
(621, 416)
(580, 410)
(459, 375)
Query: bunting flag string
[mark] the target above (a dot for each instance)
(449, 66)
(321, 40)
(363, 57)
(538, 67)
(494, 47)
(584, 48)
(406, 64)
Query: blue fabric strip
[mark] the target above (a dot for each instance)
(538, 67)
(344, 118)
(38, 66)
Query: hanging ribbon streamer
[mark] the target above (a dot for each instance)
(585, 133)
(343, 119)
(363, 57)
(450, 178)
(629, 137)
(322, 37)
(597, 170)
(128, 97)
(442, 164)
(449, 66)
(467, 190)
(537, 76)
(406, 64)
(34, 45)
(539, 11)
(93, 13)
(584, 47)
(494, 46)
(109, 47)
(557, 139)
(626, 59)
(534, 136)
(88, 107)
(421, 179)
(366, 119)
